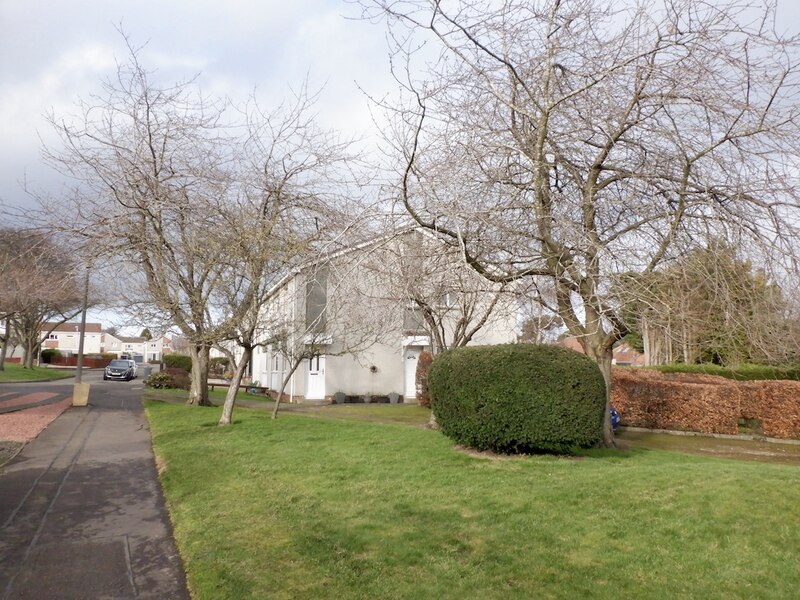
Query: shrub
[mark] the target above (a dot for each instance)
(48, 354)
(178, 361)
(518, 398)
(180, 377)
(423, 367)
(159, 380)
(705, 403)
(171, 378)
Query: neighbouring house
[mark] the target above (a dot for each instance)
(137, 347)
(624, 355)
(65, 337)
(356, 331)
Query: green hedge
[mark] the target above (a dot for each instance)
(518, 398)
(49, 353)
(739, 373)
(178, 361)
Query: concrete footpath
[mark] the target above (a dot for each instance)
(81, 510)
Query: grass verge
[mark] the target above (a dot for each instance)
(15, 373)
(335, 508)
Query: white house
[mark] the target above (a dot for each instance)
(361, 327)
(65, 337)
(136, 346)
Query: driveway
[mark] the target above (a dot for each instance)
(81, 510)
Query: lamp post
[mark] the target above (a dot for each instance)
(80, 391)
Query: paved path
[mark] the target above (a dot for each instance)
(81, 511)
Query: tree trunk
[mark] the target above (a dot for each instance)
(603, 357)
(4, 345)
(283, 387)
(198, 395)
(233, 387)
(29, 349)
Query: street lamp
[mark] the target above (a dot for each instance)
(80, 391)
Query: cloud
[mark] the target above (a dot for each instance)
(59, 51)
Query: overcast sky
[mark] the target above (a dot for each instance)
(55, 52)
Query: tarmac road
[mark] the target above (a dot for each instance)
(81, 510)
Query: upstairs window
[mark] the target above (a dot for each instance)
(413, 321)
(317, 300)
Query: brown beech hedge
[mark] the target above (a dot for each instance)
(705, 403)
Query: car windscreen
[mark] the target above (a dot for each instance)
(119, 364)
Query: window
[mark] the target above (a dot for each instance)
(413, 320)
(52, 336)
(316, 300)
(447, 300)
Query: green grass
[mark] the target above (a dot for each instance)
(13, 373)
(333, 508)
(739, 373)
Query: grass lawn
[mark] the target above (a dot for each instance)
(13, 372)
(315, 507)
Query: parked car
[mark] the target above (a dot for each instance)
(123, 370)
(134, 366)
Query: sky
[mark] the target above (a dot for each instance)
(56, 52)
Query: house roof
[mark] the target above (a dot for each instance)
(622, 351)
(71, 327)
(132, 340)
(326, 256)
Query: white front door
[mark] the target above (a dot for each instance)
(315, 388)
(275, 379)
(410, 357)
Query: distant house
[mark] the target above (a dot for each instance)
(624, 355)
(136, 346)
(65, 337)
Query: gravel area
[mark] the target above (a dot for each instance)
(24, 425)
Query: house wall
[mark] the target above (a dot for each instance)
(352, 375)
(66, 341)
(365, 328)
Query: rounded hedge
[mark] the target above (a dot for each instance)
(178, 361)
(518, 398)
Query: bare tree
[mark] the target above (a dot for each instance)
(39, 288)
(710, 305)
(290, 200)
(434, 291)
(170, 180)
(320, 309)
(570, 140)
